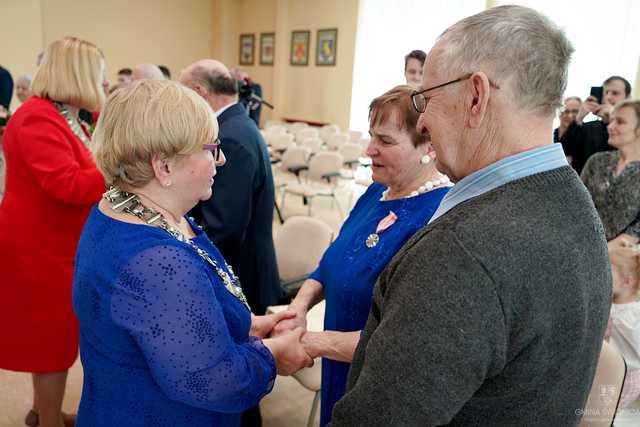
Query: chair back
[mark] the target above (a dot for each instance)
(297, 126)
(273, 123)
(314, 144)
(336, 140)
(324, 163)
(294, 155)
(351, 151)
(281, 142)
(306, 133)
(274, 131)
(299, 245)
(355, 136)
(602, 404)
(327, 130)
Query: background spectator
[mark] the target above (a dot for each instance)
(413, 63)
(23, 87)
(583, 140)
(52, 181)
(146, 71)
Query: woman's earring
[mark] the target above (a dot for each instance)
(425, 159)
(167, 184)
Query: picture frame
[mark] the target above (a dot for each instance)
(300, 47)
(327, 47)
(247, 49)
(267, 48)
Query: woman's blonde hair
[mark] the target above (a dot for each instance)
(71, 72)
(634, 104)
(145, 119)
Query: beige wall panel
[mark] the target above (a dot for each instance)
(170, 32)
(306, 92)
(20, 36)
(322, 92)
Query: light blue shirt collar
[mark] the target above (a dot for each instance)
(509, 169)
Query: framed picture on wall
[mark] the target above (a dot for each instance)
(267, 48)
(327, 46)
(247, 48)
(300, 47)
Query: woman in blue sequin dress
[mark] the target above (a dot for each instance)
(406, 192)
(165, 336)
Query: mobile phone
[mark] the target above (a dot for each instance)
(596, 92)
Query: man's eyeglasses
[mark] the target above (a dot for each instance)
(420, 101)
(214, 148)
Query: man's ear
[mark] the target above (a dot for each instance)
(481, 90)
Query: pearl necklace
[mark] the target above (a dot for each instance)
(443, 181)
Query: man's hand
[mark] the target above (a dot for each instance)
(604, 112)
(288, 352)
(298, 320)
(261, 326)
(590, 105)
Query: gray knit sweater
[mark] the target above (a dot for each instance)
(492, 315)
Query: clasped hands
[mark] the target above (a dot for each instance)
(292, 346)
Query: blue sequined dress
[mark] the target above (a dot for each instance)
(162, 341)
(349, 270)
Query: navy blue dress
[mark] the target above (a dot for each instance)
(349, 270)
(162, 341)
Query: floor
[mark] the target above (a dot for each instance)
(289, 403)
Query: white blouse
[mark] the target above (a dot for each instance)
(625, 332)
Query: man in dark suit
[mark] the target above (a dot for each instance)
(238, 218)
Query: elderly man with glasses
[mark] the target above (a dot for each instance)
(494, 313)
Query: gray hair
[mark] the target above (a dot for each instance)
(515, 46)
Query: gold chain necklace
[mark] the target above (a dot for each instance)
(122, 201)
(72, 123)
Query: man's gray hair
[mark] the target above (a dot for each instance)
(516, 47)
(214, 81)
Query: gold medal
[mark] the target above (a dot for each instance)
(372, 240)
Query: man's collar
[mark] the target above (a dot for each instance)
(223, 109)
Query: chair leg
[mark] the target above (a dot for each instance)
(314, 409)
(334, 198)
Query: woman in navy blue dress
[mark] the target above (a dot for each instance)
(406, 192)
(166, 336)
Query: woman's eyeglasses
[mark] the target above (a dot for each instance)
(214, 148)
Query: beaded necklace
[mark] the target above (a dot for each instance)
(72, 123)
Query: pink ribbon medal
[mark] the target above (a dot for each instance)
(384, 223)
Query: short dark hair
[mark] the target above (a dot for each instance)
(215, 82)
(165, 71)
(125, 71)
(627, 85)
(415, 54)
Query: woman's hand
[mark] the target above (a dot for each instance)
(261, 326)
(622, 241)
(288, 352)
(298, 320)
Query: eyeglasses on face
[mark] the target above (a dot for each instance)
(214, 148)
(420, 101)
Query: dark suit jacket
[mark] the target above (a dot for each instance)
(239, 216)
(581, 142)
(6, 88)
